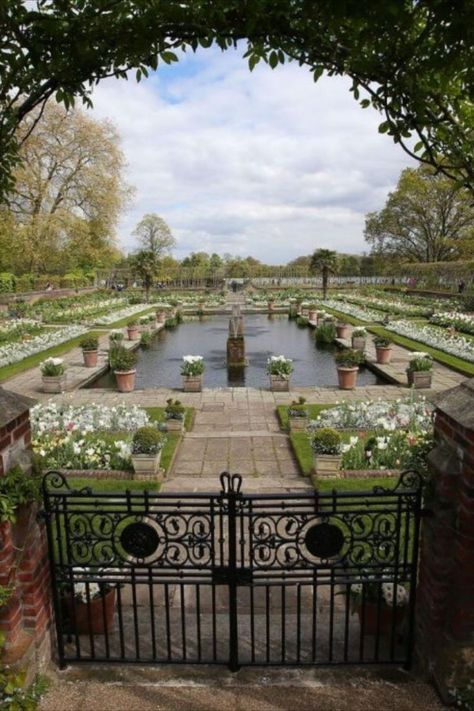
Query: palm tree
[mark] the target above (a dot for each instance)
(324, 262)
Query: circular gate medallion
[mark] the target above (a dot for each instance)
(324, 540)
(139, 539)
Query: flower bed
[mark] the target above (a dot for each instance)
(11, 331)
(452, 319)
(393, 306)
(15, 352)
(388, 415)
(113, 316)
(75, 309)
(352, 310)
(434, 336)
(54, 416)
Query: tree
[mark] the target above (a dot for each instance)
(69, 192)
(145, 265)
(324, 261)
(427, 218)
(411, 59)
(154, 235)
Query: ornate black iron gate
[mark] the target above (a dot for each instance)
(235, 579)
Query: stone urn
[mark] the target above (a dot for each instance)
(192, 383)
(347, 378)
(125, 380)
(358, 343)
(279, 384)
(383, 354)
(326, 465)
(54, 383)
(146, 464)
(419, 378)
(90, 358)
(342, 330)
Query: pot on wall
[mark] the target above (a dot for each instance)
(125, 380)
(146, 464)
(133, 333)
(419, 378)
(358, 343)
(342, 330)
(383, 354)
(279, 384)
(192, 383)
(347, 378)
(53, 383)
(326, 465)
(90, 358)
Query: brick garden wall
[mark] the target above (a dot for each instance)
(445, 598)
(23, 560)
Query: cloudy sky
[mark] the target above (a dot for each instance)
(267, 164)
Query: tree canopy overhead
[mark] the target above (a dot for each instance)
(410, 59)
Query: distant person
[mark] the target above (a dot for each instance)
(49, 286)
(461, 286)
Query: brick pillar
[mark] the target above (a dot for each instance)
(445, 598)
(23, 547)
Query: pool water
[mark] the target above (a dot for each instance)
(265, 335)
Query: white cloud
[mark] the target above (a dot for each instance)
(267, 163)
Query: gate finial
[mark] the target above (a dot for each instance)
(230, 483)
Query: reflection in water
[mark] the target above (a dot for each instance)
(159, 366)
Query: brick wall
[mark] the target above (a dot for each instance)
(445, 598)
(23, 558)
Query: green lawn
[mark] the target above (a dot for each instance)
(313, 410)
(113, 485)
(9, 371)
(157, 414)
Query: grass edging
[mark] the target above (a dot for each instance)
(313, 411)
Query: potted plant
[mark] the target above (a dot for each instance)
(90, 608)
(174, 414)
(271, 303)
(383, 349)
(347, 363)
(161, 316)
(305, 309)
(359, 337)
(342, 330)
(327, 456)
(279, 369)
(420, 370)
(90, 351)
(298, 415)
(147, 444)
(123, 362)
(133, 332)
(144, 324)
(312, 313)
(320, 316)
(377, 603)
(192, 370)
(116, 336)
(53, 375)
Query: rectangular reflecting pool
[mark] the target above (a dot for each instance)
(265, 335)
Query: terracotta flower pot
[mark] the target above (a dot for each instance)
(385, 617)
(312, 315)
(90, 358)
(133, 333)
(192, 383)
(88, 618)
(271, 306)
(419, 378)
(342, 331)
(125, 380)
(279, 384)
(383, 354)
(161, 316)
(347, 378)
(53, 383)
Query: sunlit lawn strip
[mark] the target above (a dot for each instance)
(8, 371)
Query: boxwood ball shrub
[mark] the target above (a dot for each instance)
(174, 410)
(326, 441)
(147, 440)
